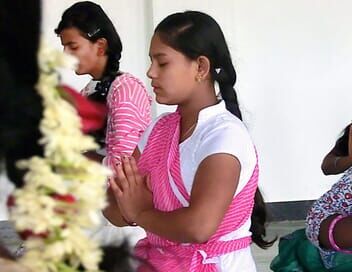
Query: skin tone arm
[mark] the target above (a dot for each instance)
(215, 183)
(112, 210)
(342, 233)
(334, 164)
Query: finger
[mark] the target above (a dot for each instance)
(116, 190)
(114, 163)
(138, 177)
(128, 169)
(108, 181)
(118, 195)
(110, 196)
(120, 177)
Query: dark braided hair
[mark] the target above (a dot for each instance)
(197, 34)
(93, 23)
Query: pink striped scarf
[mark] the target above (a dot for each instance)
(161, 157)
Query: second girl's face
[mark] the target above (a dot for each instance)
(86, 51)
(172, 73)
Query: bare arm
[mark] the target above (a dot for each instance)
(342, 233)
(335, 164)
(214, 186)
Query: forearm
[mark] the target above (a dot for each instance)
(333, 165)
(181, 225)
(342, 232)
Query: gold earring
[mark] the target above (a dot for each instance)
(199, 78)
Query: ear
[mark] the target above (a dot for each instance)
(203, 67)
(102, 44)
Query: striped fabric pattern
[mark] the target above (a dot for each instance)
(160, 155)
(129, 114)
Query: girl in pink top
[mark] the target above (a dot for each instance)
(194, 186)
(87, 33)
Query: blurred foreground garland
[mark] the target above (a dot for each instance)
(64, 191)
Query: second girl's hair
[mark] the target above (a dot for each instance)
(197, 34)
(93, 23)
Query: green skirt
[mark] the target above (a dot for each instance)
(298, 254)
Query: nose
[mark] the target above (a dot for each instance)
(66, 50)
(151, 72)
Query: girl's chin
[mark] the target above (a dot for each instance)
(164, 101)
(159, 100)
(78, 72)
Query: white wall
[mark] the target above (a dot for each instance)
(292, 59)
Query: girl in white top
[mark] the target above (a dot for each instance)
(217, 159)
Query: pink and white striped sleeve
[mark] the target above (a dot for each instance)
(129, 115)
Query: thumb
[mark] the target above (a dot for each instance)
(148, 182)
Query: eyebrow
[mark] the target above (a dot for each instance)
(157, 55)
(68, 43)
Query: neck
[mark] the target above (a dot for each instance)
(189, 111)
(191, 108)
(99, 68)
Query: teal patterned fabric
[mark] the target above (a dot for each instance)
(298, 254)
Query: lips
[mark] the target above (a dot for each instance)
(155, 88)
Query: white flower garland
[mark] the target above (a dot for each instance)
(64, 191)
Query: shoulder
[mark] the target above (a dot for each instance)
(225, 133)
(224, 127)
(127, 87)
(127, 79)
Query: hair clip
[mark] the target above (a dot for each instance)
(218, 70)
(91, 34)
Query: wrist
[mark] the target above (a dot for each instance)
(135, 220)
(130, 223)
